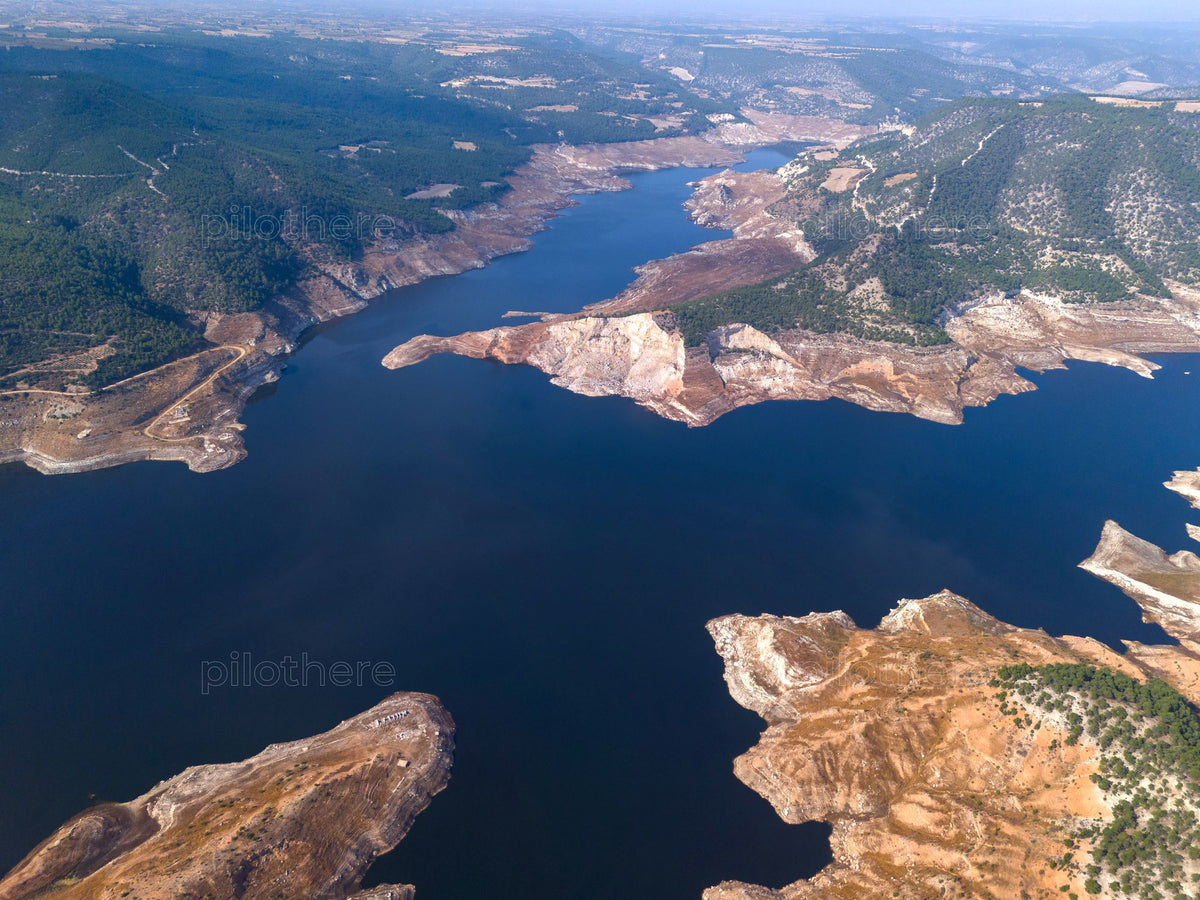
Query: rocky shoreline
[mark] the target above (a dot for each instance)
(643, 356)
(194, 411)
(894, 736)
(630, 346)
(302, 819)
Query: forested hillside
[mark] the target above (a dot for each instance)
(1086, 201)
(145, 179)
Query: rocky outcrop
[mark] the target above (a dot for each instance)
(196, 411)
(1167, 588)
(636, 356)
(742, 365)
(892, 736)
(895, 736)
(1187, 485)
(302, 819)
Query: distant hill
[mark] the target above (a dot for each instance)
(866, 72)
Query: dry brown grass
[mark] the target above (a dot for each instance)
(843, 178)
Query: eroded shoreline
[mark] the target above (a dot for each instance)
(631, 346)
(897, 736)
(194, 409)
(301, 819)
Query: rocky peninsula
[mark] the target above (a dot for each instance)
(947, 768)
(301, 819)
(643, 356)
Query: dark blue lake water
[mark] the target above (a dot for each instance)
(545, 563)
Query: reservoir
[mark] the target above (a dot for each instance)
(544, 563)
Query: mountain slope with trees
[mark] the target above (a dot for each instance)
(1082, 200)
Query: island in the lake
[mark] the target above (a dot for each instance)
(956, 755)
(915, 270)
(301, 819)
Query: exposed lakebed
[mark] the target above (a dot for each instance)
(545, 564)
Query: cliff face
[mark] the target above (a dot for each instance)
(1167, 588)
(302, 819)
(742, 366)
(192, 405)
(895, 735)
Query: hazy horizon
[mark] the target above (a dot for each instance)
(1065, 11)
(746, 12)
